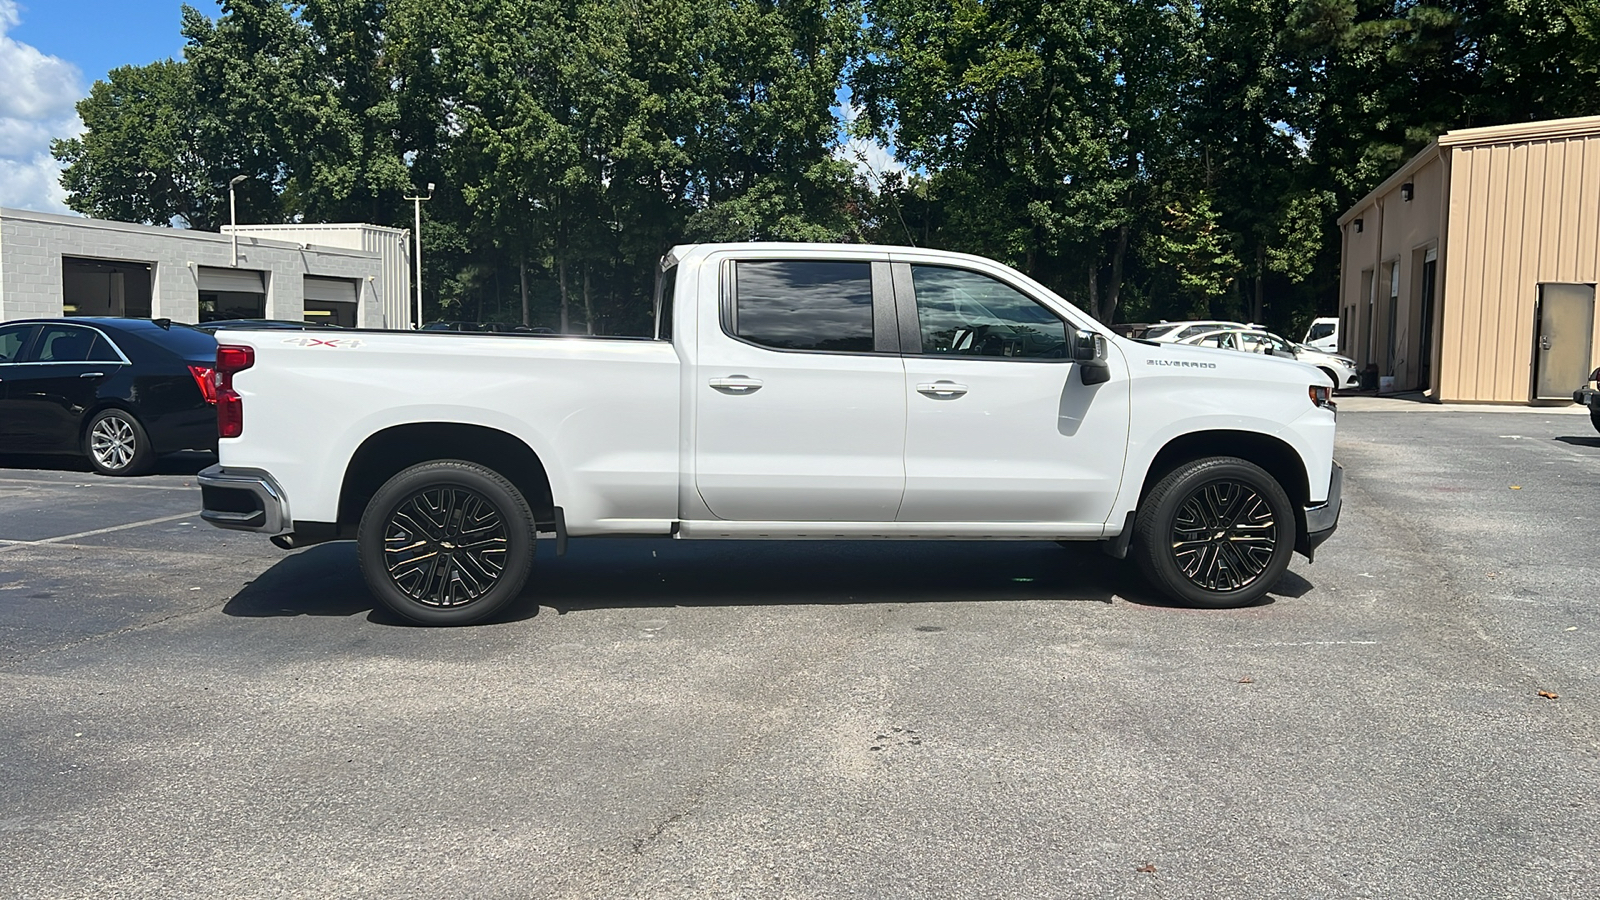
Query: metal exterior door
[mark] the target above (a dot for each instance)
(1564, 353)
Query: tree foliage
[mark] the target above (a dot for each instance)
(1143, 158)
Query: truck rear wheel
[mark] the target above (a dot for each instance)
(446, 543)
(1215, 533)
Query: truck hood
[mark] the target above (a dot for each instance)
(1210, 362)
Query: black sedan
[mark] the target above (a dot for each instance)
(1589, 395)
(118, 391)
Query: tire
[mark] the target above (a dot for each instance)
(1594, 418)
(1240, 530)
(1331, 377)
(415, 522)
(116, 444)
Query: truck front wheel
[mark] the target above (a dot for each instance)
(1215, 533)
(446, 543)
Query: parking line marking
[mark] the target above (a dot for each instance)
(107, 483)
(12, 545)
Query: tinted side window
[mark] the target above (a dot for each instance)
(1320, 331)
(102, 351)
(13, 341)
(964, 313)
(796, 305)
(62, 343)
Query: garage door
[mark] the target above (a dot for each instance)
(232, 281)
(330, 290)
(331, 301)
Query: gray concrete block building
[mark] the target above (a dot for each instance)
(349, 275)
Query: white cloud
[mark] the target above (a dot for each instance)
(36, 104)
(871, 158)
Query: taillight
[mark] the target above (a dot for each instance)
(230, 406)
(205, 378)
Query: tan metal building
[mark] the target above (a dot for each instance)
(1470, 273)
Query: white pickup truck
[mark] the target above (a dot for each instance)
(791, 391)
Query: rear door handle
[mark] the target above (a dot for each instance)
(93, 375)
(941, 390)
(736, 384)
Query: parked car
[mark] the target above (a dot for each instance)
(790, 391)
(1589, 395)
(262, 324)
(1341, 370)
(496, 327)
(1323, 335)
(1173, 332)
(118, 391)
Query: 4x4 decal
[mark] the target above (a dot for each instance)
(335, 343)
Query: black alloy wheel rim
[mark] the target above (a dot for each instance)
(445, 546)
(1224, 536)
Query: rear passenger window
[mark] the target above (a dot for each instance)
(102, 351)
(65, 343)
(803, 305)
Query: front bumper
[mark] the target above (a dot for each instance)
(243, 499)
(1587, 396)
(1323, 519)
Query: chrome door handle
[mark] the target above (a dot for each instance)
(93, 375)
(736, 384)
(941, 390)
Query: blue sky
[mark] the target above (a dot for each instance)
(50, 52)
(99, 35)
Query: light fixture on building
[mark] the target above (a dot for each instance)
(1359, 225)
(1407, 191)
(419, 200)
(233, 218)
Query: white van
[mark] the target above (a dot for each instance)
(1323, 335)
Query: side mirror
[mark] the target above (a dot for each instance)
(1089, 351)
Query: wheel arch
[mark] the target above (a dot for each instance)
(386, 453)
(1277, 457)
(100, 405)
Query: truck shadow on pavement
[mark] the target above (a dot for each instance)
(637, 573)
(1580, 441)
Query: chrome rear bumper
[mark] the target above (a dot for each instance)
(243, 499)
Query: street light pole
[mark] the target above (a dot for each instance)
(233, 218)
(417, 201)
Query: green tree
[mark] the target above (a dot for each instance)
(143, 155)
(1043, 126)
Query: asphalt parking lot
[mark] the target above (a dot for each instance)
(186, 712)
